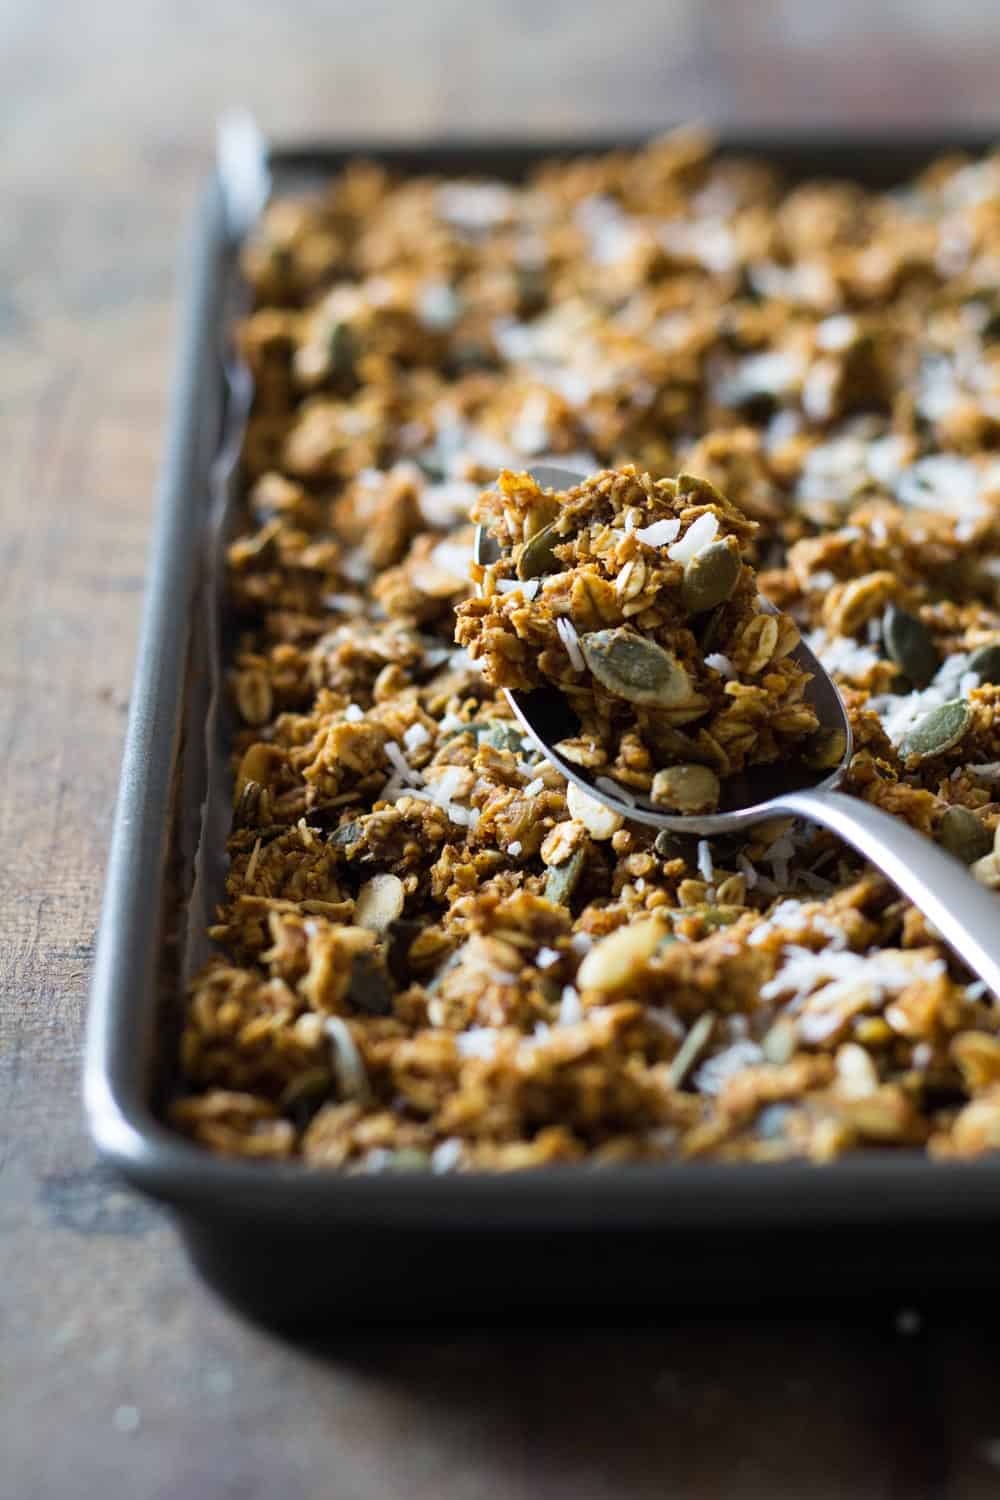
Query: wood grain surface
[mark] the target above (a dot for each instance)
(119, 1373)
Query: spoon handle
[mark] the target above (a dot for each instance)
(965, 913)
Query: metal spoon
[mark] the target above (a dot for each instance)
(965, 913)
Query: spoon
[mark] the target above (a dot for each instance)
(965, 913)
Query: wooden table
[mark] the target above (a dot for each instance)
(119, 1373)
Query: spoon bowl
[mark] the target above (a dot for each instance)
(965, 913)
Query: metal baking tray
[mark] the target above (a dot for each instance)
(294, 1245)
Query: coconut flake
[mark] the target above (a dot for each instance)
(713, 1074)
(416, 737)
(942, 482)
(446, 1156)
(570, 1009)
(401, 765)
(528, 587)
(478, 1041)
(534, 787)
(706, 866)
(354, 713)
(721, 664)
(841, 654)
(570, 639)
(658, 534)
(546, 957)
(699, 535)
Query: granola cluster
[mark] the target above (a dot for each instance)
(631, 596)
(430, 951)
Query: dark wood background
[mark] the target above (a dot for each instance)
(119, 1373)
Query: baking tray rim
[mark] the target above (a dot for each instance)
(881, 1188)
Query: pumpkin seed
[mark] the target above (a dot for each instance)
(689, 789)
(709, 578)
(825, 749)
(635, 669)
(370, 990)
(536, 556)
(347, 833)
(909, 644)
(710, 630)
(985, 662)
(380, 901)
(502, 737)
(780, 1041)
(690, 1050)
(938, 731)
(619, 957)
(562, 880)
(714, 917)
(247, 808)
(342, 349)
(962, 834)
(600, 822)
(306, 1093)
(406, 1159)
(669, 846)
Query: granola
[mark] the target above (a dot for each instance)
(433, 954)
(632, 597)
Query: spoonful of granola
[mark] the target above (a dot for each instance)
(621, 616)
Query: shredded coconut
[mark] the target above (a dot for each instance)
(570, 639)
(570, 1009)
(656, 535)
(699, 535)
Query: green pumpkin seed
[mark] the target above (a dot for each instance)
(636, 669)
(306, 1094)
(370, 990)
(714, 917)
(962, 834)
(985, 662)
(502, 737)
(536, 556)
(690, 1050)
(909, 644)
(709, 578)
(404, 1159)
(710, 630)
(938, 731)
(562, 880)
(689, 789)
(824, 750)
(343, 350)
(347, 833)
(669, 846)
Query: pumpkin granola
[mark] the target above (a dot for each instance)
(430, 951)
